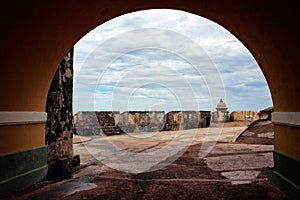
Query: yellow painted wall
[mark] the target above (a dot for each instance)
(287, 141)
(21, 137)
(34, 46)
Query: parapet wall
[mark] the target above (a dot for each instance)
(141, 121)
(110, 123)
(244, 115)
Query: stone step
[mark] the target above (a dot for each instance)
(111, 130)
(112, 133)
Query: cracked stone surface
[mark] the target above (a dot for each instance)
(239, 177)
(236, 162)
(229, 169)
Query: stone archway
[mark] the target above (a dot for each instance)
(37, 36)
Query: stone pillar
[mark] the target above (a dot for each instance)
(59, 125)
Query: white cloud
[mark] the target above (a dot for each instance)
(166, 66)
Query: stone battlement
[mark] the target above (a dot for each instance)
(112, 123)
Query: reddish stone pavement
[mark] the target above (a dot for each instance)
(230, 170)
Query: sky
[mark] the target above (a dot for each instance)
(165, 60)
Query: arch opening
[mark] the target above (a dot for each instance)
(105, 72)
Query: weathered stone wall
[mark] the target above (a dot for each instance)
(142, 121)
(266, 114)
(190, 119)
(90, 123)
(108, 122)
(111, 123)
(106, 118)
(129, 122)
(220, 117)
(204, 119)
(87, 123)
(59, 125)
(173, 121)
(244, 115)
(181, 120)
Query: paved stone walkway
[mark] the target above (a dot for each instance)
(149, 142)
(189, 164)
